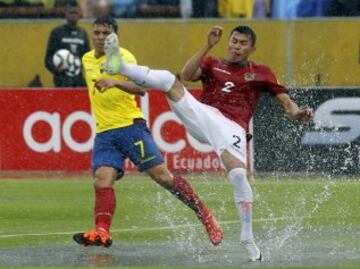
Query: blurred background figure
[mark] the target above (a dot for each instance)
(73, 38)
(284, 9)
(96, 8)
(262, 9)
(236, 8)
(63, 3)
(26, 3)
(244, 8)
(343, 8)
(159, 8)
(125, 8)
(186, 8)
(312, 8)
(205, 8)
(39, 9)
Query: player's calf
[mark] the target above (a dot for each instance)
(209, 221)
(183, 191)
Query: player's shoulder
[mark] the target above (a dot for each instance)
(261, 67)
(58, 29)
(211, 62)
(212, 59)
(126, 52)
(81, 31)
(128, 56)
(88, 56)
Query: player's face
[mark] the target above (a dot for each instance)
(99, 34)
(73, 14)
(239, 47)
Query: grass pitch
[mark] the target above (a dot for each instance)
(298, 223)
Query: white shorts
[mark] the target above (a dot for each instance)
(208, 125)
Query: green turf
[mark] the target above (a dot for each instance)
(51, 206)
(173, 267)
(56, 208)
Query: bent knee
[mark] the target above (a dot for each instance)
(105, 177)
(242, 188)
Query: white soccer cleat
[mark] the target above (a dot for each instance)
(112, 54)
(253, 250)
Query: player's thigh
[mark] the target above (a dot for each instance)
(187, 110)
(221, 132)
(141, 148)
(226, 136)
(231, 160)
(208, 125)
(106, 155)
(232, 145)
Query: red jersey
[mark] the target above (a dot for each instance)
(235, 90)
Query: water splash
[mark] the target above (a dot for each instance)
(184, 239)
(286, 238)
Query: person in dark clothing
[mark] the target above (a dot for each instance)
(205, 8)
(73, 38)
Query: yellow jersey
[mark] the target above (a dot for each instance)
(112, 108)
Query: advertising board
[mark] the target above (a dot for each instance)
(330, 144)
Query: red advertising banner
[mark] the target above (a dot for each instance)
(52, 129)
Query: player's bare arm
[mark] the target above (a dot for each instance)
(292, 110)
(191, 70)
(103, 84)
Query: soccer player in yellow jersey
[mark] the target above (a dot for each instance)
(121, 133)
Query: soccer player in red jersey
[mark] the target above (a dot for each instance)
(231, 89)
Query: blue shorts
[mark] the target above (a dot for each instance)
(113, 147)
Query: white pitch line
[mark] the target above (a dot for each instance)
(137, 229)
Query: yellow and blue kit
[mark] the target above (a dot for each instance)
(121, 131)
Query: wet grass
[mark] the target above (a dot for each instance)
(40, 213)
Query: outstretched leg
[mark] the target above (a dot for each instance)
(142, 75)
(179, 187)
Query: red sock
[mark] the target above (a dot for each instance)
(105, 204)
(186, 194)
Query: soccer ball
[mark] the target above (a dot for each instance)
(75, 68)
(63, 59)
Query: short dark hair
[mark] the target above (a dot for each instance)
(246, 30)
(71, 6)
(107, 20)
